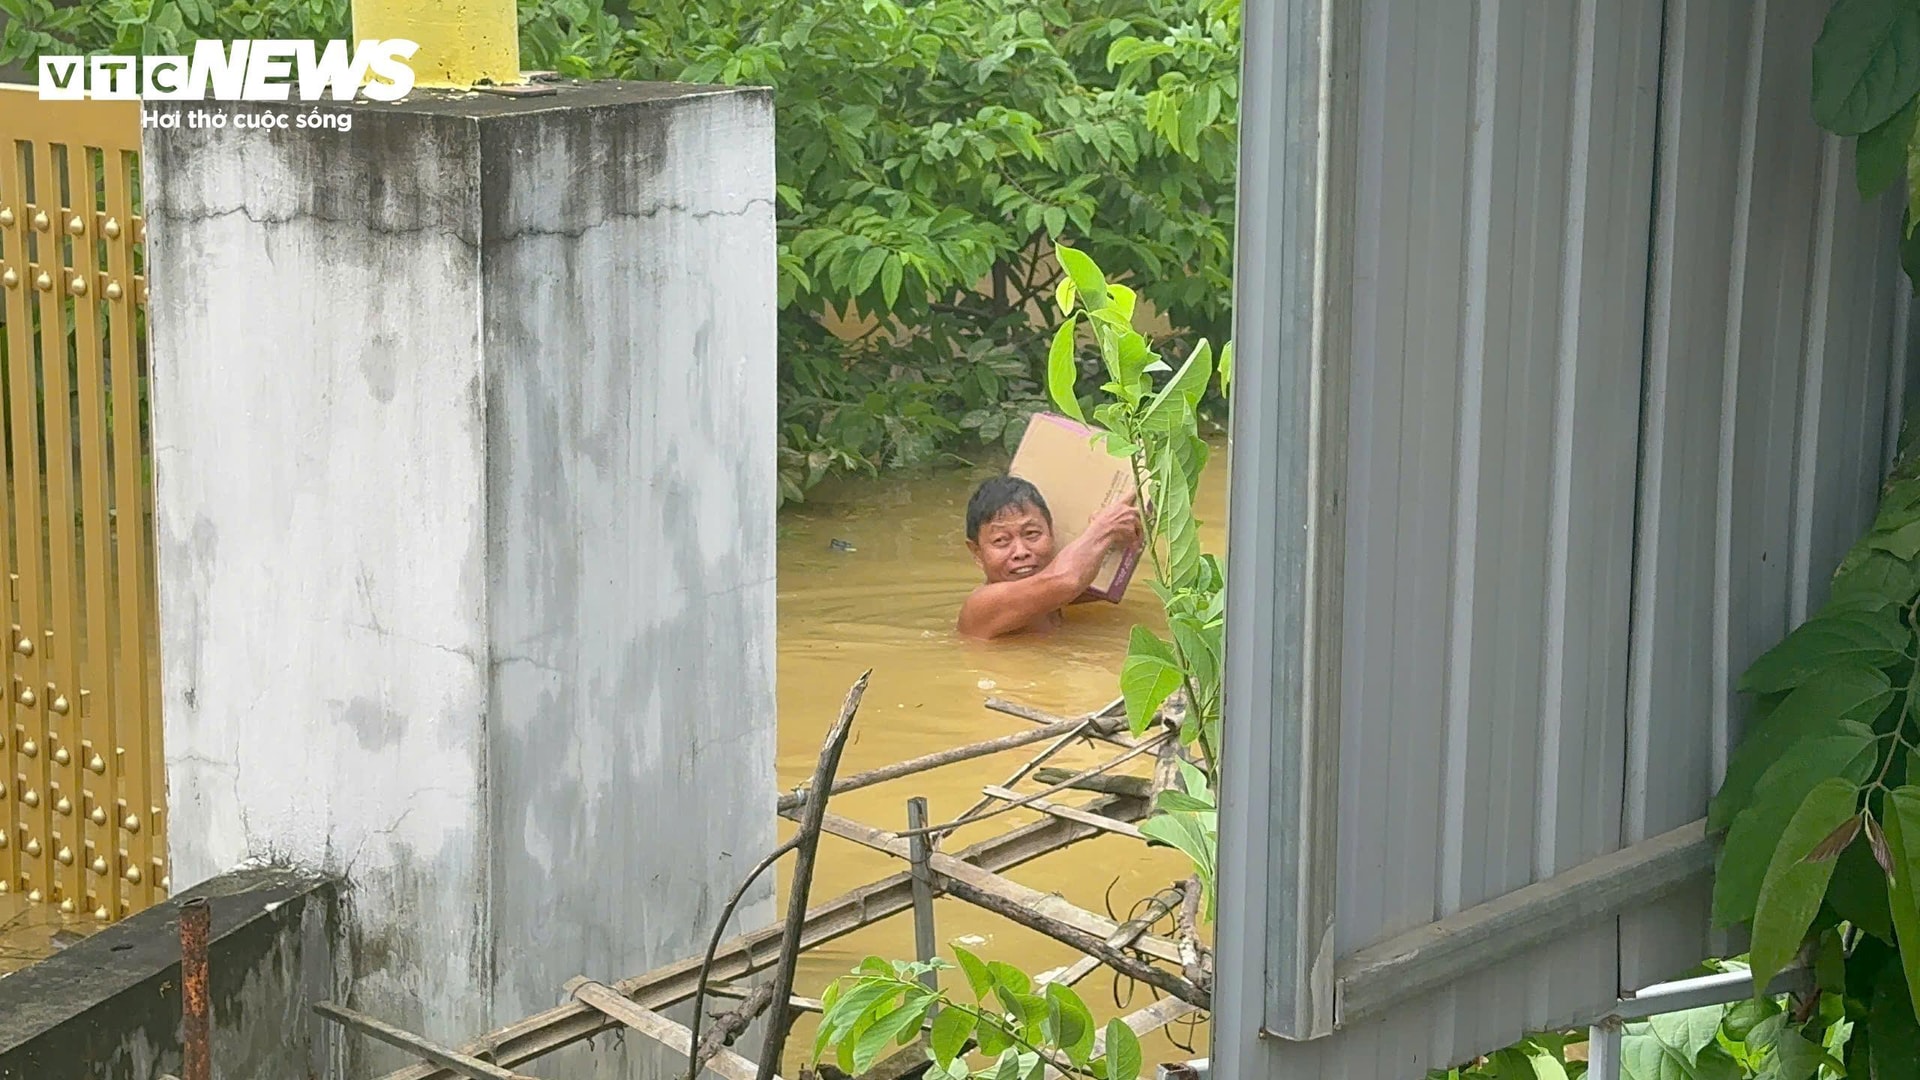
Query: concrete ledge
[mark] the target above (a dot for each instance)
(108, 1008)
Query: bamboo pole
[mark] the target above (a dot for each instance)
(793, 800)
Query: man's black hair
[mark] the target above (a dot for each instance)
(998, 494)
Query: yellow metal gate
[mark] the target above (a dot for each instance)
(82, 790)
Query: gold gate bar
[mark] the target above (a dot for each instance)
(32, 812)
(56, 283)
(92, 702)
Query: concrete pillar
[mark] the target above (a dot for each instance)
(464, 443)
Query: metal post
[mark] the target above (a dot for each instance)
(921, 852)
(1603, 1050)
(195, 1007)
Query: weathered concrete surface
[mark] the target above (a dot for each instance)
(464, 441)
(108, 1007)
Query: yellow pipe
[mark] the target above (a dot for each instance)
(462, 42)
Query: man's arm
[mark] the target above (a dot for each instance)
(1007, 606)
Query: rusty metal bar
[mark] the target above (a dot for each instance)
(453, 1060)
(196, 1008)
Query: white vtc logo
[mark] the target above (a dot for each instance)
(242, 71)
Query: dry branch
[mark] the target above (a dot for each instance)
(816, 810)
(1080, 939)
(607, 1001)
(729, 1025)
(1132, 752)
(1068, 813)
(1195, 961)
(1069, 728)
(949, 871)
(562, 1026)
(1130, 786)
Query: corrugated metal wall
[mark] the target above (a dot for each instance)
(1618, 388)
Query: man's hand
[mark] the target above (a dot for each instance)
(1117, 525)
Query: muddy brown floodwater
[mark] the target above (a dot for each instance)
(889, 605)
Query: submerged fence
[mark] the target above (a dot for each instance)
(82, 789)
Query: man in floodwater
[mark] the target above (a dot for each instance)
(1010, 533)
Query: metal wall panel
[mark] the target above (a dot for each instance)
(1619, 349)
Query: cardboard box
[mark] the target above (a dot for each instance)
(1077, 477)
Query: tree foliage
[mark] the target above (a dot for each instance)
(928, 155)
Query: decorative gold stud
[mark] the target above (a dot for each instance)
(77, 226)
(65, 855)
(30, 797)
(24, 646)
(64, 807)
(101, 913)
(3, 839)
(132, 824)
(3, 791)
(166, 883)
(33, 897)
(78, 286)
(43, 283)
(60, 706)
(27, 696)
(6, 215)
(60, 756)
(133, 874)
(111, 228)
(97, 763)
(9, 279)
(33, 848)
(40, 221)
(66, 905)
(113, 290)
(100, 865)
(29, 748)
(99, 815)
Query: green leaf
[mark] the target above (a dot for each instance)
(1794, 885)
(1902, 543)
(1902, 824)
(1226, 368)
(867, 269)
(1689, 1032)
(1062, 373)
(1858, 892)
(1896, 1034)
(1794, 1058)
(1545, 1065)
(1073, 1023)
(993, 1040)
(1008, 977)
(1087, 279)
(1818, 706)
(1871, 639)
(978, 977)
(1870, 574)
(950, 1031)
(1055, 219)
(1148, 677)
(1172, 408)
(885, 1030)
(890, 272)
(1123, 1052)
(1866, 63)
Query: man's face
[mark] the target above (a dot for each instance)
(1015, 544)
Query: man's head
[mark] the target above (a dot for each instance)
(1009, 529)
